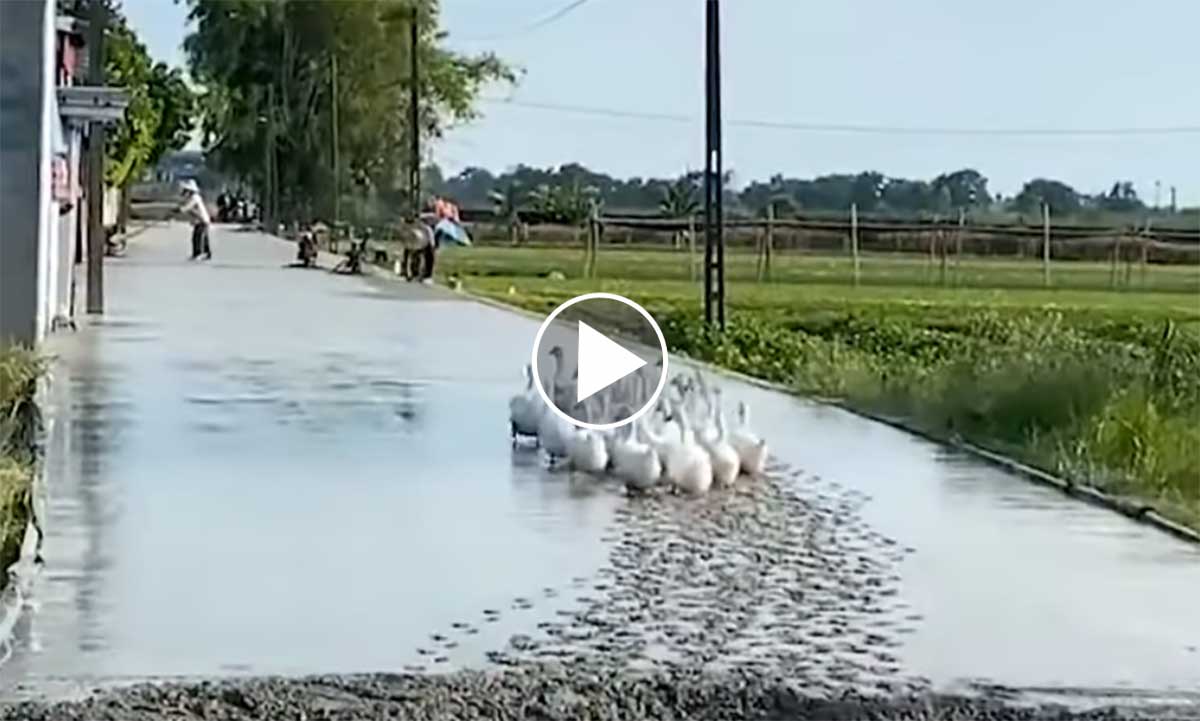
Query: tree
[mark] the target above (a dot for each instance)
(966, 188)
(268, 67)
(474, 186)
(870, 190)
(506, 204)
(907, 196)
(1061, 197)
(679, 199)
(177, 110)
(544, 200)
(1122, 198)
(570, 205)
(131, 142)
(159, 117)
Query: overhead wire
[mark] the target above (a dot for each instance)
(542, 22)
(849, 127)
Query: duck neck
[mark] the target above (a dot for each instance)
(556, 378)
(685, 426)
(560, 371)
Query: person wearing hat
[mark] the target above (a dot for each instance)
(193, 206)
(420, 248)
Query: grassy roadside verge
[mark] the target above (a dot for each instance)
(19, 373)
(1100, 387)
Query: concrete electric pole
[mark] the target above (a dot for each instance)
(714, 237)
(98, 18)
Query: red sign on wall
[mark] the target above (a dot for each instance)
(60, 175)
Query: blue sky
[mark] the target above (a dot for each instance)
(1046, 64)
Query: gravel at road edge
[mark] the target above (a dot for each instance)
(550, 693)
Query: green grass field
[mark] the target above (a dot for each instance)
(1096, 384)
(888, 270)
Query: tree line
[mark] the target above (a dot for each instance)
(567, 193)
(309, 102)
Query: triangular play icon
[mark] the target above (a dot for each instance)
(602, 362)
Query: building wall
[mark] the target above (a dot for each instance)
(47, 253)
(26, 29)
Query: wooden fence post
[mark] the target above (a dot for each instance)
(770, 238)
(1116, 260)
(1145, 251)
(768, 241)
(691, 241)
(592, 244)
(1129, 260)
(760, 250)
(587, 250)
(942, 253)
(596, 239)
(1046, 244)
(854, 242)
(933, 240)
(958, 243)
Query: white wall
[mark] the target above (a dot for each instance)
(48, 227)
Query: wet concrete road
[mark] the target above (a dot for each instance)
(258, 470)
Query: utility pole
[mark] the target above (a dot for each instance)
(415, 117)
(714, 240)
(337, 191)
(95, 177)
(267, 202)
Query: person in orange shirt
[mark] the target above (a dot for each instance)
(445, 210)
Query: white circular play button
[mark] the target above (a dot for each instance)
(599, 361)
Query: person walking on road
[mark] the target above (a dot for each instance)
(193, 206)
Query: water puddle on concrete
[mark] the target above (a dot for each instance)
(290, 480)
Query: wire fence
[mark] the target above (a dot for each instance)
(870, 251)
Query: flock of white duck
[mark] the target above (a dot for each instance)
(684, 444)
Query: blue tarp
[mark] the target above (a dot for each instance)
(447, 231)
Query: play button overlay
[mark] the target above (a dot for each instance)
(602, 362)
(599, 361)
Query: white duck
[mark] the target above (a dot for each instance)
(724, 457)
(702, 406)
(751, 449)
(564, 391)
(554, 432)
(586, 448)
(689, 469)
(635, 461)
(525, 410)
(665, 437)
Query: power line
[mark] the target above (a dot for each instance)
(910, 130)
(850, 127)
(529, 27)
(590, 110)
